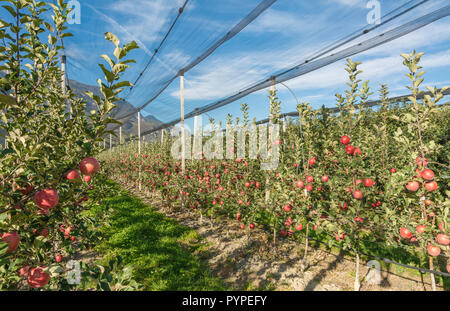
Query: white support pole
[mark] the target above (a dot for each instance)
(64, 83)
(183, 138)
(139, 132)
(162, 136)
(110, 142)
(267, 194)
(139, 146)
(195, 124)
(120, 136)
(104, 143)
(272, 88)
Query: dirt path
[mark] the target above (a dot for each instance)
(252, 265)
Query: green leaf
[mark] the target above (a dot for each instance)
(113, 38)
(117, 53)
(3, 24)
(49, 26)
(131, 46)
(122, 84)
(105, 286)
(108, 59)
(118, 68)
(10, 10)
(8, 100)
(109, 76)
(3, 247)
(112, 121)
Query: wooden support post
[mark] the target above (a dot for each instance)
(183, 138)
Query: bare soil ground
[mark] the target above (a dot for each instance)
(252, 264)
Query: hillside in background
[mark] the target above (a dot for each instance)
(124, 107)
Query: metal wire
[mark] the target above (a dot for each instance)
(180, 11)
(263, 6)
(305, 68)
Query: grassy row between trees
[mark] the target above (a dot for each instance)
(151, 244)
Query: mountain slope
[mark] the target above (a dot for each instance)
(130, 124)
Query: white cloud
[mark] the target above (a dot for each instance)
(354, 3)
(74, 52)
(228, 74)
(145, 20)
(390, 69)
(282, 22)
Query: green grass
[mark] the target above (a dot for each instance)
(164, 254)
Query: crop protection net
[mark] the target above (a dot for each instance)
(232, 51)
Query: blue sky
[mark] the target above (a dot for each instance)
(282, 36)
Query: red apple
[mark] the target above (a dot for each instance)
(89, 166)
(427, 174)
(299, 184)
(24, 270)
(443, 239)
(349, 149)
(433, 250)
(345, 140)
(72, 175)
(357, 151)
(431, 186)
(421, 161)
(44, 232)
(37, 277)
(405, 233)
(27, 189)
(368, 182)
(13, 240)
(357, 194)
(420, 229)
(287, 208)
(46, 199)
(413, 185)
